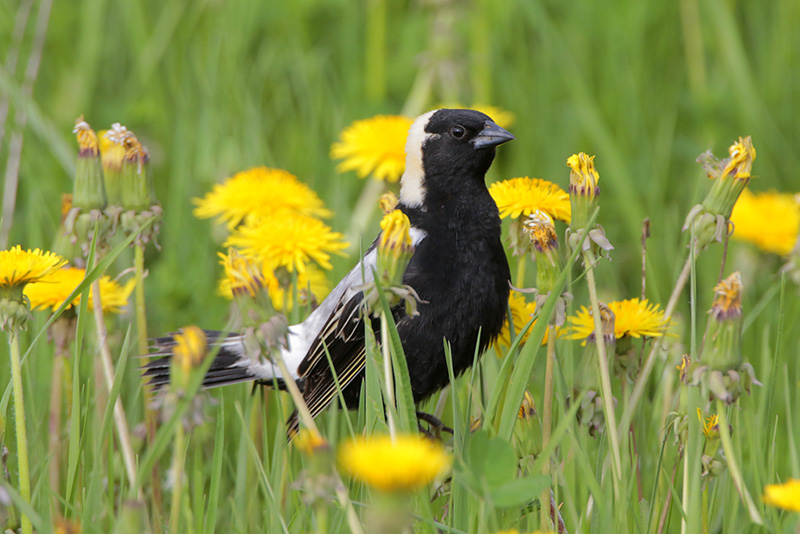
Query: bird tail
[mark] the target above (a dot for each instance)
(230, 365)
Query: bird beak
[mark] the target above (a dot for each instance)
(491, 135)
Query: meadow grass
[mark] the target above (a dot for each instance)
(213, 88)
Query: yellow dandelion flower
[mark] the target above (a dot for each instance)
(52, 290)
(395, 234)
(19, 267)
(786, 495)
(291, 241)
(309, 442)
(522, 196)
(521, 313)
(190, 349)
(728, 298)
(375, 146)
(632, 318)
(405, 464)
(770, 220)
(247, 275)
(258, 192)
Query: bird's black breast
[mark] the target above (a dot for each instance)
(461, 274)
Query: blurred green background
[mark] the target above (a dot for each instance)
(214, 87)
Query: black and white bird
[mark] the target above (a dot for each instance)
(459, 271)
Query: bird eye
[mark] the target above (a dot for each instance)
(458, 132)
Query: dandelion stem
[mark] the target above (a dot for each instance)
(520, 279)
(305, 415)
(178, 460)
(547, 421)
(647, 368)
(22, 432)
(605, 379)
(733, 464)
(388, 376)
(120, 420)
(147, 395)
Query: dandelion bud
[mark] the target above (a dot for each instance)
(89, 191)
(394, 248)
(709, 219)
(544, 241)
(190, 350)
(723, 370)
(583, 188)
(388, 202)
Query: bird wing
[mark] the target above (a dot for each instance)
(342, 337)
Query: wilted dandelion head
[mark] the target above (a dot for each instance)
(542, 231)
(259, 192)
(583, 177)
(710, 425)
(742, 153)
(395, 228)
(405, 464)
(374, 146)
(309, 442)
(87, 138)
(728, 298)
(388, 202)
(523, 196)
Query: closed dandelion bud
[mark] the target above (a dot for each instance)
(583, 193)
(190, 350)
(89, 190)
(583, 189)
(709, 220)
(722, 369)
(394, 247)
(544, 241)
(529, 430)
(112, 153)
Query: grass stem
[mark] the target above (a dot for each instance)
(547, 421)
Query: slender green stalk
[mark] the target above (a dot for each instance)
(733, 464)
(547, 422)
(521, 265)
(178, 461)
(605, 378)
(147, 395)
(22, 432)
(647, 368)
(388, 376)
(120, 421)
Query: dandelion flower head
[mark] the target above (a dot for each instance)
(632, 318)
(770, 220)
(521, 313)
(523, 196)
(259, 192)
(53, 289)
(728, 298)
(19, 267)
(374, 146)
(191, 346)
(291, 241)
(786, 495)
(405, 464)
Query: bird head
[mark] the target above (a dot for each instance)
(446, 150)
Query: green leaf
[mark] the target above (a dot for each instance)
(519, 491)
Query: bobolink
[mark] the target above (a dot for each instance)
(458, 270)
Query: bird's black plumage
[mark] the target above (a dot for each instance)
(458, 269)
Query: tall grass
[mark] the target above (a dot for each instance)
(215, 87)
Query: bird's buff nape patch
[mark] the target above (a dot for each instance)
(412, 184)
